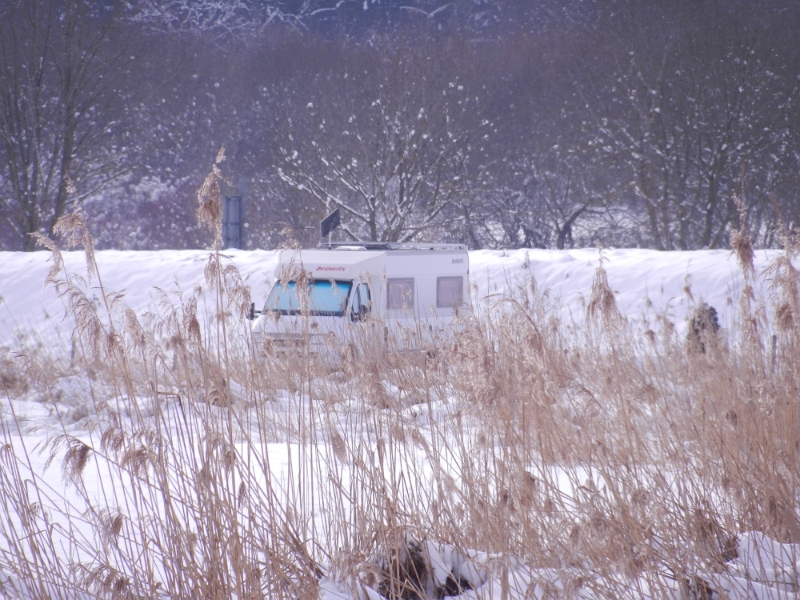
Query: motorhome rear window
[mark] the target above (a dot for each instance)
(449, 292)
(321, 298)
(400, 293)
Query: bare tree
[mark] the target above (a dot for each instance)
(392, 143)
(221, 17)
(690, 103)
(58, 67)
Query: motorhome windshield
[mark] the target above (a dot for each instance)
(322, 298)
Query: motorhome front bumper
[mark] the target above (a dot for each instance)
(281, 343)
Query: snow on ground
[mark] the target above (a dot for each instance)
(646, 283)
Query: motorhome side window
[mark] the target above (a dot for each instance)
(449, 292)
(400, 293)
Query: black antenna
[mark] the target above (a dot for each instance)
(328, 224)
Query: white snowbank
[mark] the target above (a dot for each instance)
(646, 282)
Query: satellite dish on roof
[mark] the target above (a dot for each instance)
(328, 224)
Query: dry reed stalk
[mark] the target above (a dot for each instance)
(209, 199)
(610, 463)
(741, 242)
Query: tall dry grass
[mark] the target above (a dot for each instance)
(595, 459)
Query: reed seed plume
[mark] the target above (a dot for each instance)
(75, 456)
(55, 257)
(786, 280)
(602, 305)
(741, 242)
(73, 228)
(209, 198)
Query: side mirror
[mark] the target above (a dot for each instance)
(252, 314)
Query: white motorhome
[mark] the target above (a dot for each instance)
(329, 298)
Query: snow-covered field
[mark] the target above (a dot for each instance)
(647, 284)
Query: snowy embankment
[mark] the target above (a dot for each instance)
(30, 310)
(647, 285)
(645, 282)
